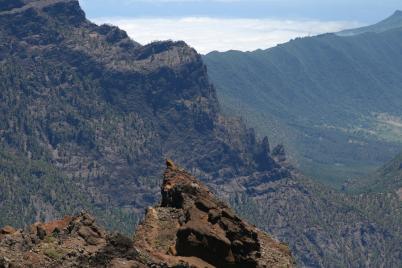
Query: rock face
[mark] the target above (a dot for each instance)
(192, 226)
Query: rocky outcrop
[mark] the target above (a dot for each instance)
(192, 226)
(71, 242)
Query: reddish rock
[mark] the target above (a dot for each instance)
(79, 243)
(202, 230)
(7, 230)
(58, 224)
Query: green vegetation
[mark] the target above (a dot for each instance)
(333, 101)
(327, 228)
(53, 253)
(387, 179)
(33, 190)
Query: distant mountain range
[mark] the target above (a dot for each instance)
(333, 100)
(391, 23)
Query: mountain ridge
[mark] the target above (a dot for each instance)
(315, 93)
(391, 23)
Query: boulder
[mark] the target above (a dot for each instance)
(6, 230)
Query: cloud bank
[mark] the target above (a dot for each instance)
(222, 34)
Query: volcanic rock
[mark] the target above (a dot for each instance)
(193, 227)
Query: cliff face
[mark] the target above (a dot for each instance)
(106, 110)
(191, 228)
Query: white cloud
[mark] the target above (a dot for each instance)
(222, 34)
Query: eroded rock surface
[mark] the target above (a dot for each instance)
(71, 242)
(193, 227)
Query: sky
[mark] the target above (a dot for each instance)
(244, 25)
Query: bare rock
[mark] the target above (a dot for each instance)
(7, 230)
(202, 231)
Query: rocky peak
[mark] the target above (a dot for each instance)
(279, 153)
(179, 190)
(397, 13)
(392, 22)
(66, 11)
(263, 157)
(192, 226)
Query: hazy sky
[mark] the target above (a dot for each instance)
(235, 24)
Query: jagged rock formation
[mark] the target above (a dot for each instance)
(191, 228)
(191, 225)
